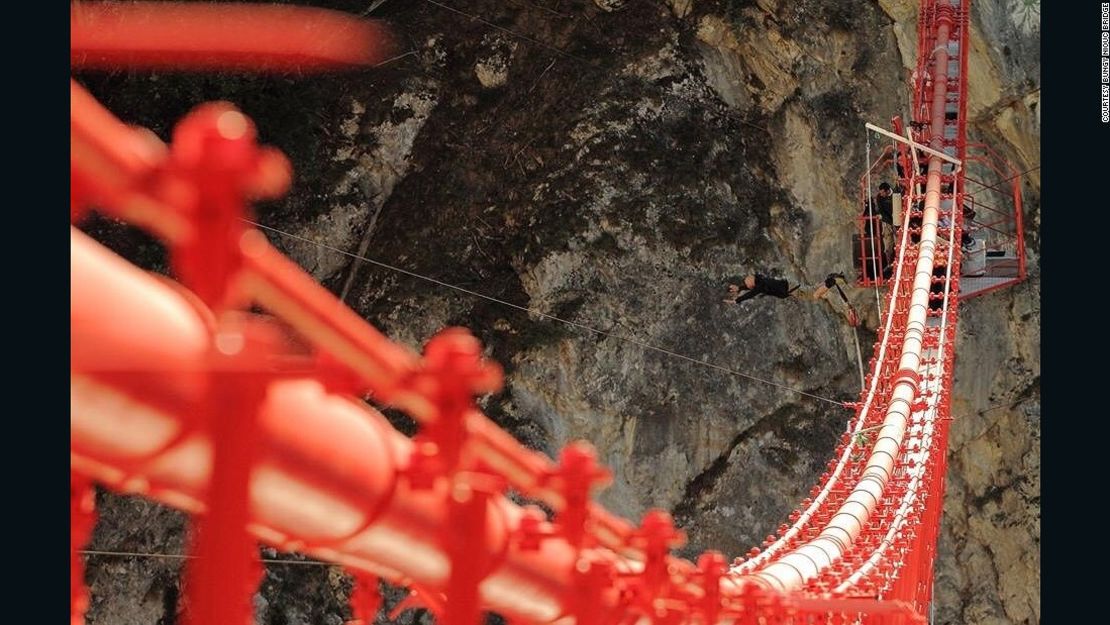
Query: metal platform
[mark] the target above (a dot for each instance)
(1001, 271)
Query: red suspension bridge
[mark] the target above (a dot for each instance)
(179, 394)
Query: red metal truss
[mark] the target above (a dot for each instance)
(992, 229)
(256, 424)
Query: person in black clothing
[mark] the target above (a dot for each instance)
(758, 284)
(883, 204)
(966, 240)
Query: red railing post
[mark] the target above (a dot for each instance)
(366, 599)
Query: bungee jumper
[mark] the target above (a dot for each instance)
(757, 284)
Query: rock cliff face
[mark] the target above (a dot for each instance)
(614, 164)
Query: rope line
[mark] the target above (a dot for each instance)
(180, 556)
(396, 58)
(575, 324)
